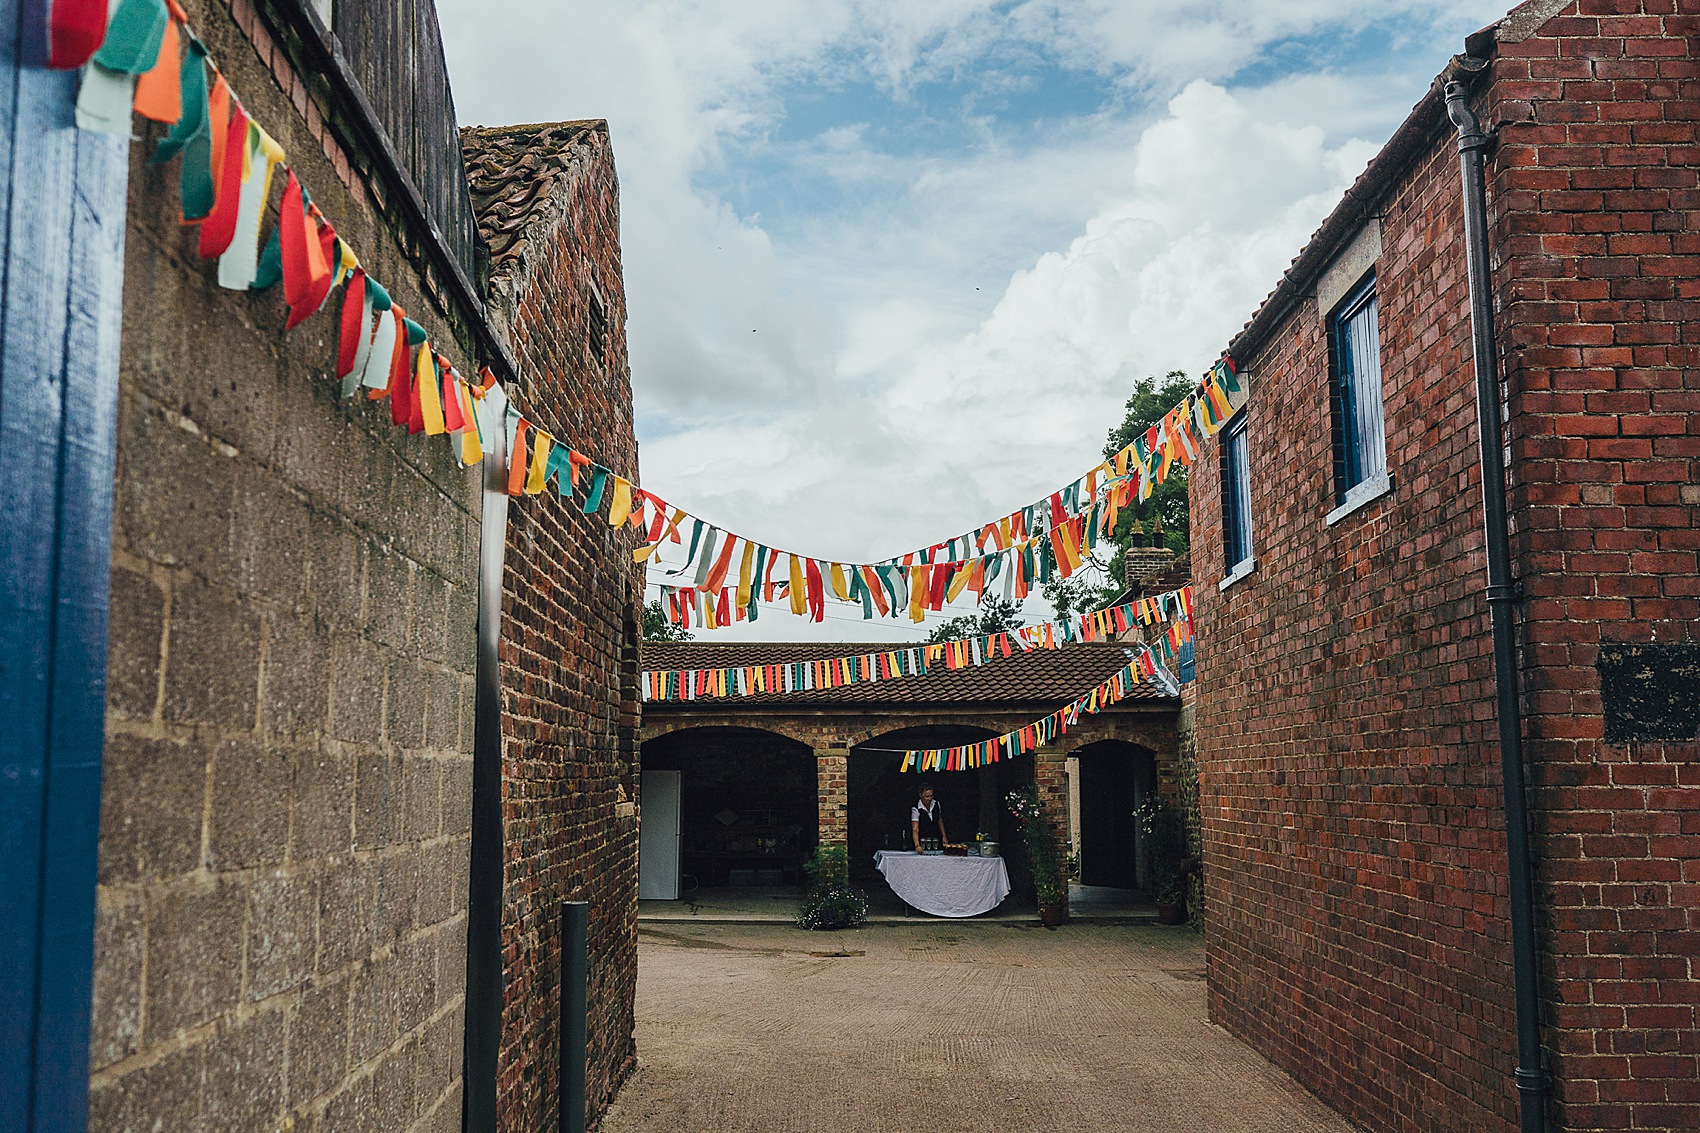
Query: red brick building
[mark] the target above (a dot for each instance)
(547, 200)
(820, 766)
(1354, 831)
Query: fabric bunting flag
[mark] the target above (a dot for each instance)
(142, 57)
(711, 609)
(1024, 741)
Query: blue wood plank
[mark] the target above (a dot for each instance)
(82, 587)
(37, 270)
(11, 37)
(61, 274)
(18, 891)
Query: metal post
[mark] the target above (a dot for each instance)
(1501, 593)
(575, 1007)
(484, 980)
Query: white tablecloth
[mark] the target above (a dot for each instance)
(942, 885)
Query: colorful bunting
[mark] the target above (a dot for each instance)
(1172, 611)
(228, 163)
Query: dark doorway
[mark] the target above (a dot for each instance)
(880, 795)
(748, 812)
(1114, 778)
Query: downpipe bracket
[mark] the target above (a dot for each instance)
(1532, 1081)
(1509, 592)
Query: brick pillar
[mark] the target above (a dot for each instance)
(1050, 774)
(832, 783)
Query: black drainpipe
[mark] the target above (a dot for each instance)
(1502, 592)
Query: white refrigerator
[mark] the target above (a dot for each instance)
(658, 837)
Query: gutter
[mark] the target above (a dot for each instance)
(1360, 202)
(1502, 592)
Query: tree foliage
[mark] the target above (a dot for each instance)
(996, 615)
(1151, 400)
(656, 627)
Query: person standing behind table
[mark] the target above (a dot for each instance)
(926, 819)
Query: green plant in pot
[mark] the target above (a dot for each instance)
(1166, 849)
(831, 902)
(1044, 856)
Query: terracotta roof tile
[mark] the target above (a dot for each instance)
(512, 172)
(1052, 676)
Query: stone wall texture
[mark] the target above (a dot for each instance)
(571, 618)
(286, 814)
(1352, 815)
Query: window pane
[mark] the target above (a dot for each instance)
(1368, 434)
(1238, 489)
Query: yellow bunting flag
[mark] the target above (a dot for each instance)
(621, 505)
(430, 400)
(541, 443)
(799, 598)
(471, 451)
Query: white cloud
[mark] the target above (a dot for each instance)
(956, 330)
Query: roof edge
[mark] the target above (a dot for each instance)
(598, 124)
(1360, 201)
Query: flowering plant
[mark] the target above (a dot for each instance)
(1165, 842)
(1042, 853)
(831, 903)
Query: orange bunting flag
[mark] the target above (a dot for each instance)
(159, 92)
(516, 460)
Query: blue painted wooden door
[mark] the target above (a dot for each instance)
(61, 274)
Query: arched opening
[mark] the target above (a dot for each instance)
(743, 802)
(880, 795)
(1108, 780)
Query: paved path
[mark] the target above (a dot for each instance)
(947, 1028)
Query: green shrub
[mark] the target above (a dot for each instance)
(1165, 844)
(828, 868)
(831, 902)
(833, 908)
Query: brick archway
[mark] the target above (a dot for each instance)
(748, 809)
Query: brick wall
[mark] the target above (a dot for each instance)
(1597, 194)
(569, 647)
(286, 802)
(1354, 889)
(1351, 807)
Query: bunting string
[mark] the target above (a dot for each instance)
(1142, 666)
(1171, 610)
(714, 578)
(141, 57)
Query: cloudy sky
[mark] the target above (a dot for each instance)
(893, 266)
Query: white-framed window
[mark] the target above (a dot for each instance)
(1360, 433)
(1236, 500)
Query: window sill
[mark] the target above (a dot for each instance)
(1366, 493)
(1244, 567)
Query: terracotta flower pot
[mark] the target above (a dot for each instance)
(1052, 915)
(1171, 914)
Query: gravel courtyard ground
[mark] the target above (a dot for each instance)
(941, 1027)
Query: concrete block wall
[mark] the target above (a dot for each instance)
(286, 800)
(1596, 188)
(571, 618)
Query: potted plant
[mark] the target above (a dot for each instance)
(1166, 850)
(831, 902)
(1050, 883)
